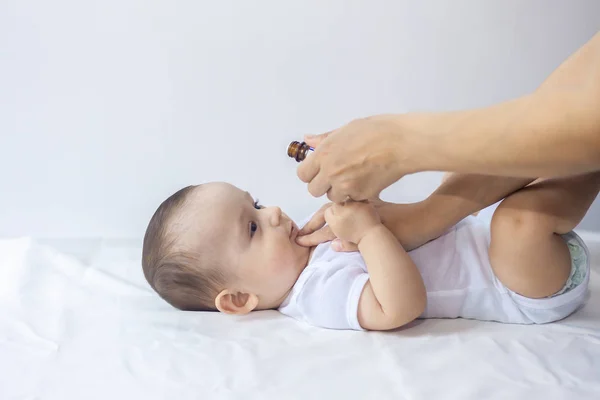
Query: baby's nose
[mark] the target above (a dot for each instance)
(275, 217)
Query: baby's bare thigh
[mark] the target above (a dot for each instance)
(531, 264)
(527, 252)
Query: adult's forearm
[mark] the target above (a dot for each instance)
(464, 194)
(554, 131)
(457, 197)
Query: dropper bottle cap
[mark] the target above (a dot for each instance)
(298, 150)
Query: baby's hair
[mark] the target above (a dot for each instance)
(185, 279)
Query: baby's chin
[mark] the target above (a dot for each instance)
(306, 254)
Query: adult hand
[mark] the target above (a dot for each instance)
(358, 160)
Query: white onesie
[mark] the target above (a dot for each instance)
(457, 276)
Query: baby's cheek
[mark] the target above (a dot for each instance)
(283, 260)
(281, 263)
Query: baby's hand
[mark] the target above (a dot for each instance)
(350, 221)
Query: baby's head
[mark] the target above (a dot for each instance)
(212, 247)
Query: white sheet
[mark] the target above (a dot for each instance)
(82, 323)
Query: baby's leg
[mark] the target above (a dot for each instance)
(526, 252)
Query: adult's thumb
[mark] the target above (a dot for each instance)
(315, 140)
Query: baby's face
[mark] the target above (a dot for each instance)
(257, 244)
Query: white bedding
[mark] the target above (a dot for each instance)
(78, 321)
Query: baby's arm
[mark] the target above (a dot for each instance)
(395, 293)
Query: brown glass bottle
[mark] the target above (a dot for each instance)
(298, 150)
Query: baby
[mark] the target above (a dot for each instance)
(213, 247)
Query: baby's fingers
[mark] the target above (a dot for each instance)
(322, 235)
(316, 222)
(343, 245)
(329, 214)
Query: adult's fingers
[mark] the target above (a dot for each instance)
(319, 185)
(339, 193)
(336, 195)
(324, 234)
(309, 168)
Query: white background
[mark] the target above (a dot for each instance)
(107, 107)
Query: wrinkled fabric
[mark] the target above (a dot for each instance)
(78, 321)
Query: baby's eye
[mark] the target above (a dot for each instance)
(253, 228)
(257, 205)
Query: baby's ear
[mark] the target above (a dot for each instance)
(230, 302)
